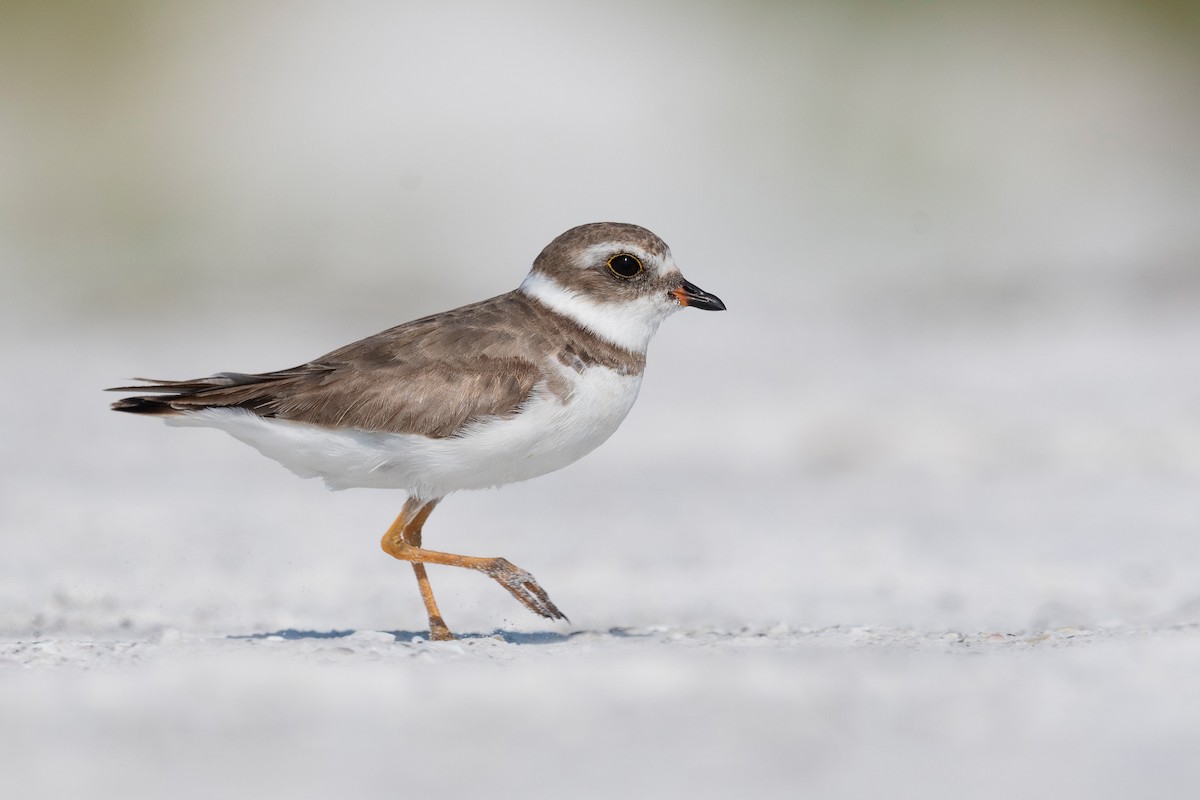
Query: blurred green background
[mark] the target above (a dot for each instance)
(920, 159)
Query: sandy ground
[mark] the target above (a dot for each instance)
(663, 711)
(925, 566)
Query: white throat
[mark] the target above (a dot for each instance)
(628, 325)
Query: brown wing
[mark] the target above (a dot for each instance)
(429, 377)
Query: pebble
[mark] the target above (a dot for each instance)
(779, 630)
(168, 637)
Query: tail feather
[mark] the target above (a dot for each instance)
(221, 390)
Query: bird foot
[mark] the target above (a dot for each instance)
(521, 585)
(438, 632)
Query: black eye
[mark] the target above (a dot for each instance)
(624, 265)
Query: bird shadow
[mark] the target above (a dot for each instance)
(507, 636)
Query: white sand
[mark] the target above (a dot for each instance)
(933, 567)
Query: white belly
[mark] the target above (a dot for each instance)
(547, 434)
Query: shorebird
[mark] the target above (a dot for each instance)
(484, 395)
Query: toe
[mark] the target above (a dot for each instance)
(521, 585)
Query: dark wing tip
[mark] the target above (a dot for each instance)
(145, 405)
(181, 387)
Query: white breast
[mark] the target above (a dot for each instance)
(546, 434)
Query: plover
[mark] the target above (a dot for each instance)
(488, 394)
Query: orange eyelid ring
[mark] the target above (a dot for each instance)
(689, 294)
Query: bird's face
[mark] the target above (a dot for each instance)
(621, 276)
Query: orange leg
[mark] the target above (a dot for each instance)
(403, 541)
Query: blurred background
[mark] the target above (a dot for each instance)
(956, 384)
(172, 155)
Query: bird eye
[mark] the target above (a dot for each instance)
(624, 265)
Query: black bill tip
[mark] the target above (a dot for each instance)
(691, 295)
